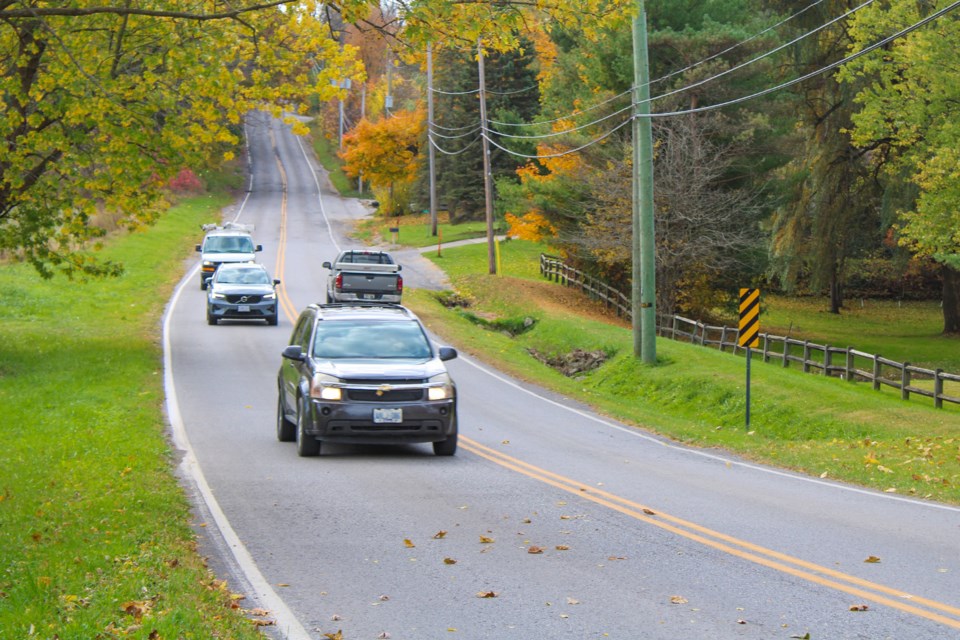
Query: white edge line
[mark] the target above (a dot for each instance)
(730, 462)
(286, 622)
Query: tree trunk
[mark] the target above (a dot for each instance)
(836, 291)
(951, 300)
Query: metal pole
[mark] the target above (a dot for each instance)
(487, 178)
(644, 299)
(748, 387)
(432, 152)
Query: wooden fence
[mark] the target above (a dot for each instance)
(844, 363)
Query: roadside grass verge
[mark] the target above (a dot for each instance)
(327, 155)
(696, 395)
(95, 536)
(416, 230)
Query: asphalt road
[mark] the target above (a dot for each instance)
(549, 523)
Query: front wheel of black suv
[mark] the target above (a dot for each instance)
(307, 445)
(446, 447)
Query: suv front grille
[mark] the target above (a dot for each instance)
(244, 299)
(382, 395)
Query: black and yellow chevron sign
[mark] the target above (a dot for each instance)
(749, 318)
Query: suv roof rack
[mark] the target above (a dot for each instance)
(227, 226)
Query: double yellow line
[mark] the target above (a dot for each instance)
(863, 589)
(289, 310)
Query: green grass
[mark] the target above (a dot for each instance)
(95, 532)
(417, 230)
(820, 426)
(327, 155)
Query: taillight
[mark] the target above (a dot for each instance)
(338, 283)
(399, 284)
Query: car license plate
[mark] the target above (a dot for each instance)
(388, 416)
(243, 308)
(369, 296)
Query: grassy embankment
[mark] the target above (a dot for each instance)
(820, 426)
(95, 535)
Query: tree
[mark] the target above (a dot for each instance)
(103, 104)
(832, 210)
(909, 104)
(385, 153)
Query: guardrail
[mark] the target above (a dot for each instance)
(844, 363)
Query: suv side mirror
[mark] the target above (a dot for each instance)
(447, 353)
(293, 352)
(259, 247)
(275, 282)
(327, 265)
(199, 248)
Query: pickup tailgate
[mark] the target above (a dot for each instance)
(370, 283)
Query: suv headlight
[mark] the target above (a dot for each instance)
(324, 387)
(441, 387)
(270, 296)
(217, 296)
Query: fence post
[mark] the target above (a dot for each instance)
(849, 367)
(876, 372)
(938, 389)
(806, 356)
(786, 352)
(723, 336)
(905, 381)
(766, 352)
(827, 360)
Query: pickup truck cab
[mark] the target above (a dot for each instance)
(364, 275)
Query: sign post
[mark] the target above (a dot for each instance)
(749, 334)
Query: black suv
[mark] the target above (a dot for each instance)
(357, 373)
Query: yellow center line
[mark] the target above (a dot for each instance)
(728, 544)
(283, 298)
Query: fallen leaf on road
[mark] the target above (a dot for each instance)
(334, 636)
(572, 601)
(678, 600)
(449, 561)
(859, 607)
(485, 540)
(649, 512)
(487, 594)
(534, 549)
(439, 535)
(562, 547)
(408, 543)
(872, 559)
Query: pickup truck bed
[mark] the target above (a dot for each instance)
(370, 276)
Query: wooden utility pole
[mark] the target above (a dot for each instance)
(644, 248)
(432, 152)
(487, 177)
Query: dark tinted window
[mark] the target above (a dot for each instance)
(371, 339)
(228, 244)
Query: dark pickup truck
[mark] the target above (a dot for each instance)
(364, 275)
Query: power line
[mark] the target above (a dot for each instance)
(830, 67)
(567, 152)
(564, 131)
(452, 153)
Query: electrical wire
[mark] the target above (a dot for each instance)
(764, 55)
(452, 153)
(830, 67)
(735, 46)
(475, 129)
(542, 156)
(569, 117)
(564, 131)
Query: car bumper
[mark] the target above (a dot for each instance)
(353, 423)
(258, 311)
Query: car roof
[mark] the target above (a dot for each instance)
(249, 264)
(359, 311)
(227, 232)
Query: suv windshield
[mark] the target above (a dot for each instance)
(375, 339)
(228, 244)
(242, 276)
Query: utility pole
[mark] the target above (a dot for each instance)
(432, 153)
(644, 248)
(487, 177)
